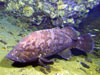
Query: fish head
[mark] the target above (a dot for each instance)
(19, 54)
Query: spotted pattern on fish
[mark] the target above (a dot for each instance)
(44, 43)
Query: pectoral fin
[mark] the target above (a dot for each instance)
(43, 61)
(66, 54)
(46, 60)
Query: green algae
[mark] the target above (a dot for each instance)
(28, 11)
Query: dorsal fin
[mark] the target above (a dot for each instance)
(70, 31)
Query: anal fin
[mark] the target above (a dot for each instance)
(66, 54)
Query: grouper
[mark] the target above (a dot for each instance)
(44, 43)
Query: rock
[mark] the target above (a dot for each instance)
(69, 11)
(85, 65)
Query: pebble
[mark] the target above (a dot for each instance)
(48, 69)
(10, 46)
(57, 74)
(42, 70)
(10, 33)
(83, 69)
(88, 60)
(20, 70)
(20, 34)
(17, 40)
(24, 74)
(2, 41)
(98, 69)
(85, 65)
(3, 48)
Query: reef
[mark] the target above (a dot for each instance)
(50, 12)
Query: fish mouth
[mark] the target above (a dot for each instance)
(13, 58)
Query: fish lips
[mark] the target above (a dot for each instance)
(21, 60)
(14, 58)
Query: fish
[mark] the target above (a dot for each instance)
(41, 44)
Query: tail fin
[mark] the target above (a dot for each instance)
(85, 43)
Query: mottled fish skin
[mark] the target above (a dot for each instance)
(47, 42)
(43, 42)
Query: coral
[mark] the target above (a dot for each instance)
(28, 11)
(70, 11)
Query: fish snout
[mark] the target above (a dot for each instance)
(13, 57)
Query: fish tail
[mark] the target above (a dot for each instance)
(85, 43)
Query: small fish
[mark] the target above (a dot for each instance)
(44, 43)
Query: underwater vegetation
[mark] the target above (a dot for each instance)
(58, 12)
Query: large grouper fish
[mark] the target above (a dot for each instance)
(44, 43)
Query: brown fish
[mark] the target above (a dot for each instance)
(44, 43)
